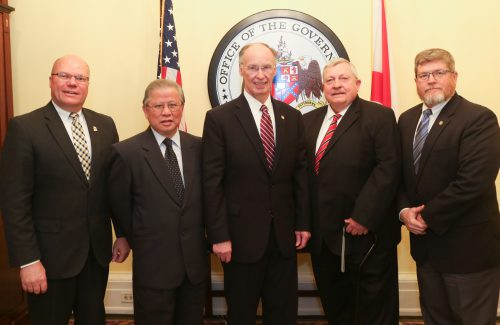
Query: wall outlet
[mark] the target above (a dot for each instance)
(127, 297)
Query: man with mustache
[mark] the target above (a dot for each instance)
(448, 201)
(354, 173)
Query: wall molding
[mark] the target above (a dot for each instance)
(118, 298)
(120, 289)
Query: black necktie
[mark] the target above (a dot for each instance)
(173, 168)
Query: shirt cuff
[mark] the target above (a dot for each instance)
(25, 265)
(400, 212)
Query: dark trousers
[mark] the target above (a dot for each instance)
(367, 296)
(273, 279)
(181, 306)
(83, 295)
(458, 299)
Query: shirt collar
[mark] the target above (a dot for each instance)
(330, 112)
(436, 109)
(254, 104)
(176, 138)
(64, 114)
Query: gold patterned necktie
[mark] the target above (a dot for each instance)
(80, 144)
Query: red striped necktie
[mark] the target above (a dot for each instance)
(324, 143)
(267, 135)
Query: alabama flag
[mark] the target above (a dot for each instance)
(383, 85)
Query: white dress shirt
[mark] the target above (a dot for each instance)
(255, 106)
(326, 123)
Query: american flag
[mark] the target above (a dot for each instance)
(168, 56)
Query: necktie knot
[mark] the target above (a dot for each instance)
(427, 112)
(168, 142)
(336, 118)
(264, 109)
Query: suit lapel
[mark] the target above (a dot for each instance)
(188, 163)
(156, 162)
(61, 136)
(347, 121)
(248, 125)
(439, 125)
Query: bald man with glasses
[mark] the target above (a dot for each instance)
(53, 196)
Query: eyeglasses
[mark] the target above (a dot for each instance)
(67, 77)
(254, 69)
(173, 107)
(438, 75)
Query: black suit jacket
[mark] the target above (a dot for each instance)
(242, 196)
(358, 177)
(51, 212)
(166, 236)
(456, 183)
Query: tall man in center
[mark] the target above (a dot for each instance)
(256, 194)
(353, 146)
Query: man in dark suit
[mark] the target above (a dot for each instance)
(354, 172)
(451, 156)
(156, 195)
(53, 197)
(256, 196)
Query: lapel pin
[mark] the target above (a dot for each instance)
(441, 123)
(282, 117)
(94, 128)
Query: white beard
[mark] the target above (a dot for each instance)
(431, 100)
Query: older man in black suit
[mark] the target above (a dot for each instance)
(53, 197)
(156, 195)
(448, 202)
(354, 172)
(256, 196)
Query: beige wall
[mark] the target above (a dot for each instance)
(118, 38)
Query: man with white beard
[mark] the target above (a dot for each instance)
(448, 201)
